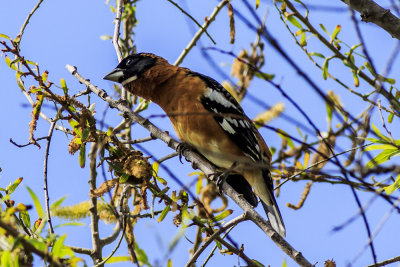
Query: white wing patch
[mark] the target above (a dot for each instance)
(227, 127)
(218, 97)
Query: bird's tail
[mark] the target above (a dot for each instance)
(264, 190)
(274, 215)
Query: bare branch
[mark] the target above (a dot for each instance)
(21, 32)
(228, 225)
(45, 187)
(372, 12)
(94, 225)
(203, 28)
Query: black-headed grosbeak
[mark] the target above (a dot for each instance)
(208, 118)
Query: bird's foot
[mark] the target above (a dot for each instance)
(181, 148)
(219, 177)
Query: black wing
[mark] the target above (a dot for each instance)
(230, 116)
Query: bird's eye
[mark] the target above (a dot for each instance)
(128, 62)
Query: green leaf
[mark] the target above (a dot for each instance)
(64, 85)
(285, 136)
(69, 224)
(169, 263)
(11, 188)
(36, 202)
(123, 178)
(324, 29)
(384, 147)
(303, 41)
(264, 76)
(164, 213)
(155, 167)
(10, 63)
(24, 216)
(4, 36)
(390, 117)
(294, 21)
(369, 67)
(105, 37)
(222, 215)
(82, 156)
(116, 259)
(141, 255)
(312, 54)
(85, 134)
(335, 32)
(382, 157)
(75, 126)
(325, 69)
(6, 260)
(57, 203)
(356, 80)
(393, 187)
(329, 112)
(378, 133)
(390, 80)
(58, 246)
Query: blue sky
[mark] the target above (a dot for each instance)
(68, 32)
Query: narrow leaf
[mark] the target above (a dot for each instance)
(11, 188)
(335, 32)
(324, 29)
(4, 36)
(294, 21)
(82, 156)
(36, 202)
(393, 187)
(164, 213)
(316, 54)
(325, 69)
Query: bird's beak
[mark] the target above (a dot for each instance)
(114, 75)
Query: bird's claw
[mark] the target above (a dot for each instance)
(181, 148)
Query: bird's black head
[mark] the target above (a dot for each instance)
(131, 67)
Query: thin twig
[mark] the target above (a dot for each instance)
(316, 164)
(377, 230)
(215, 247)
(27, 144)
(45, 186)
(385, 262)
(113, 236)
(21, 32)
(193, 19)
(138, 141)
(94, 225)
(167, 157)
(114, 250)
(86, 251)
(117, 22)
(384, 124)
(235, 221)
(115, 40)
(203, 28)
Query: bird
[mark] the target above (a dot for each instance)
(207, 118)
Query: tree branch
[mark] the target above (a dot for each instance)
(45, 188)
(228, 225)
(372, 12)
(203, 28)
